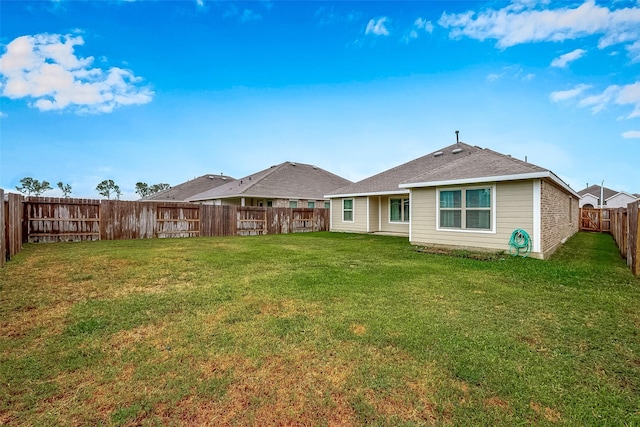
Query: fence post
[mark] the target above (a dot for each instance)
(633, 237)
(3, 225)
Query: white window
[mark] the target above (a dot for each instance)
(347, 210)
(311, 204)
(466, 209)
(293, 204)
(399, 210)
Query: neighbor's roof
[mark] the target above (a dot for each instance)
(287, 180)
(594, 190)
(456, 164)
(181, 192)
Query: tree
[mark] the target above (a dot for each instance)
(156, 188)
(33, 186)
(66, 189)
(142, 189)
(108, 187)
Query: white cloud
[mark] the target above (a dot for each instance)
(634, 51)
(419, 25)
(515, 72)
(521, 22)
(631, 134)
(249, 15)
(612, 95)
(563, 60)
(600, 101)
(325, 16)
(45, 69)
(378, 27)
(563, 95)
(3, 115)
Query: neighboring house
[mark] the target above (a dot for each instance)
(288, 184)
(590, 197)
(461, 196)
(181, 192)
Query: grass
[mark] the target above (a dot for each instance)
(316, 329)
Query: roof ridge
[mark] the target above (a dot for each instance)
(267, 172)
(509, 156)
(446, 165)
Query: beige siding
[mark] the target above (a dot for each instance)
(513, 209)
(374, 214)
(559, 216)
(359, 224)
(386, 225)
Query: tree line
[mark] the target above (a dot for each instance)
(107, 188)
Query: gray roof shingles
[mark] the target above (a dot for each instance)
(483, 163)
(456, 162)
(389, 180)
(286, 180)
(181, 192)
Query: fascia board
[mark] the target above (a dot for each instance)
(533, 175)
(623, 193)
(378, 193)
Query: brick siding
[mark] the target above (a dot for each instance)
(560, 216)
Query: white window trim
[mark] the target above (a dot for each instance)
(353, 209)
(402, 198)
(494, 200)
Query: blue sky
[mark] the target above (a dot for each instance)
(165, 91)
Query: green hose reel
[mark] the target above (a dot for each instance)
(520, 243)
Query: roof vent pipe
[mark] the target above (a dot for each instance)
(457, 140)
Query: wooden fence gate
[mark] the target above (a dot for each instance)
(595, 220)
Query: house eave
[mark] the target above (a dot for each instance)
(365, 194)
(498, 178)
(254, 196)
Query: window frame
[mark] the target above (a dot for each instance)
(311, 204)
(352, 210)
(463, 209)
(293, 204)
(405, 210)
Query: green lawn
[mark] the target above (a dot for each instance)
(316, 329)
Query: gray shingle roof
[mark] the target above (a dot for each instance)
(457, 162)
(286, 180)
(482, 163)
(389, 180)
(594, 190)
(181, 192)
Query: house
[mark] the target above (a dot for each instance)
(181, 192)
(288, 184)
(590, 197)
(463, 197)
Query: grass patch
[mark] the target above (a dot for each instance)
(318, 329)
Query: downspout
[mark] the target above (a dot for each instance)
(602, 195)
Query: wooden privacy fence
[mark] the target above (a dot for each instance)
(47, 219)
(595, 220)
(625, 228)
(623, 224)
